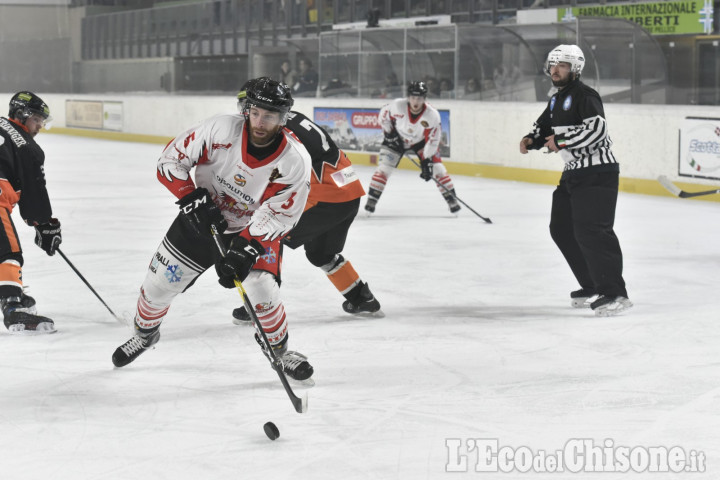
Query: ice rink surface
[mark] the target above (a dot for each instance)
(478, 341)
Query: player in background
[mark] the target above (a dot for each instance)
(411, 124)
(332, 205)
(583, 206)
(22, 182)
(252, 179)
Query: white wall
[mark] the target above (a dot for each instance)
(645, 136)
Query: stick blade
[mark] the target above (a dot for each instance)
(669, 186)
(301, 404)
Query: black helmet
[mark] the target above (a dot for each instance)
(266, 93)
(25, 104)
(418, 89)
(242, 94)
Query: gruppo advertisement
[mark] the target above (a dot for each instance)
(700, 148)
(358, 128)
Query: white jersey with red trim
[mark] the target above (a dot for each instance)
(412, 129)
(266, 196)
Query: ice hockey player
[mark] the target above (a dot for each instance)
(22, 182)
(411, 124)
(253, 179)
(333, 203)
(583, 206)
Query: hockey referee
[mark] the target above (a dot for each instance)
(583, 206)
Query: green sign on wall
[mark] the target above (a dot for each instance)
(659, 18)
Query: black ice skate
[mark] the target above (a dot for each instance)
(133, 348)
(360, 300)
(370, 205)
(294, 364)
(20, 316)
(453, 205)
(582, 298)
(606, 306)
(241, 316)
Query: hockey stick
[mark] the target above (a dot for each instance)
(487, 220)
(89, 286)
(672, 188)
(300, 404)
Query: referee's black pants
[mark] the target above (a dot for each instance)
(581, 224)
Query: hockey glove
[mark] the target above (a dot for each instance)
(394, 142)
(427, 169)
(48, 236)
(238, 261)
(199, 211)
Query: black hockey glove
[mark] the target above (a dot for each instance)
(238, 261)
(427, 169)
(394, 142)
(48, 236)
(199, 211)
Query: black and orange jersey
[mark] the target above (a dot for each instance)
(22, 174)
(333, 179)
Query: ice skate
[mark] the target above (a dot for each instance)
(606, 306)
(241, 316)
(20, 316)
(294, 364)
(370, 206)
(453, 205)
(362, 302)
(582, 298)
(133, 348)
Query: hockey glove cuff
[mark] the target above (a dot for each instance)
(199, 212)
(48, 236)
(427, 169)
(238, 261)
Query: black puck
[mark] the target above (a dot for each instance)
(271, 430)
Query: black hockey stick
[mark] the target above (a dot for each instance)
(487, 220)
(89, 286)
(300, 404)
(672, 188)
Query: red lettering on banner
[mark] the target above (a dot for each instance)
(365, 120)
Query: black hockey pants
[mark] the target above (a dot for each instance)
(581, 224)
(323, 229)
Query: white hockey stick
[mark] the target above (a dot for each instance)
(675, 190)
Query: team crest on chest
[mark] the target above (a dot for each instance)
(275, 175)
(567, 103)
(552, 103)
(424, 123)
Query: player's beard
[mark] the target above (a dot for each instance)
(268, 135)
(562, 81)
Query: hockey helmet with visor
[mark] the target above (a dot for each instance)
(417, 89)
(267, 94)
(24, 105)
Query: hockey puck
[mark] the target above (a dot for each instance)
(271, 430)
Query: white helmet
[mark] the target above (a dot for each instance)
(566, 53)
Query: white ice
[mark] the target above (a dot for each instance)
(478, 341)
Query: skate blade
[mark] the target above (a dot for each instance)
(616, 310)
(41, 329)
(378, 314)
(307, 383)
(582, 302)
